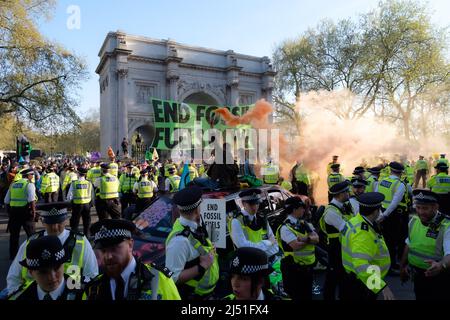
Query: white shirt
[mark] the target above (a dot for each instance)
(355, 205)
(126, 273)
(179, 251)
(70, 192)
(286, 234)
(54, 294)
(167, 185)
(446, 241)
(239, 239)
(90, 266)
(333, 218)
(31, 193)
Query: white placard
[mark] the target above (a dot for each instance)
(215, 218)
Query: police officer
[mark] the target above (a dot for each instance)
(334, 161)
(373, 178)
(127, 181)
(359, 172)
(172, 182)
(45, 258)
(94, 172)
(440, 183)
(365, 256)
(250, 229)
(189, 252)
(113, 168)
(50, 185)
(54, 217)
(21, 197)
(358, 188)
(297, 238)
(334, 177)
(68, 179)
(125, 277)
(421, 169)
(107, 195)
(332, 222)
(81, 194)
(427, 250)
(394, 217)
(270, 173)
(442, 159)
(144, 190)
(249, 268)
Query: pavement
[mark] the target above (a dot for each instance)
(401, 292)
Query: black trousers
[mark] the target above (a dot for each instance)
(19, 217)
(50, 197)
(142, 203)
(431, 288)
(108, 207)
(297, 279)
(395, 232)
(335, 271)
(83, 211)
(354, 289)
(301, 188)
(126, 200)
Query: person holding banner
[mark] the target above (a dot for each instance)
(248, 229)
(190, 255)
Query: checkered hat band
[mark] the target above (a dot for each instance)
(59, 255)
(421, 197)
(340, 191)
(249, 269)
(113, 233)
(54, 212)
(190, 206)
(373, 205)
(33, 262)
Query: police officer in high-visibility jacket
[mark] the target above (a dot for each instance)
(421, 170)
(394, 217)
(334, 177)
(68, 179)
(144, 190)
(358, 187)
(297, 238)
(250, 229)
(334, 161)
(172, 182)
(125, 277)
(365, 256)
(440, 183)
(114, 169)
(270, 173)
(372, 180)
(427, 250)
(127, 181)
(21, 198)
(94, 172)
(82, 257)
(107, 195)
(44, 260)
(332, 222)
(50, 185)
(442, 159)
(81, 194)
(190, 255)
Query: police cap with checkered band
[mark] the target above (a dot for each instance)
(249, 261)
(53, 213)
(424, 196)
(110, 232)
(188, 198)
(44, 252)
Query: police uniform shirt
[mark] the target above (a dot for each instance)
(153, 184)
(90, 266)
(167, 185)
(398, 196)
(31, 193)
(333, 218)
(126, 273)
(179, 251)
(54, 294)
(355, 205)
(287, 235)
(70, 193)
(239, 239)
(446, 241)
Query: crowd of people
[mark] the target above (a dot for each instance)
(374, 224)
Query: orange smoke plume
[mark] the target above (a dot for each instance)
(257, 116)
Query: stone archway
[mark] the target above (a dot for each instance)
(202, 98)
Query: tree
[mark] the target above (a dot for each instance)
(38, 77)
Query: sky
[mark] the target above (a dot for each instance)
(251, 27)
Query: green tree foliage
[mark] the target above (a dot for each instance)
(39, 78)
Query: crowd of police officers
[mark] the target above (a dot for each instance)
(375, 224)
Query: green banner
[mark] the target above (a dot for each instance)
(170, 115)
